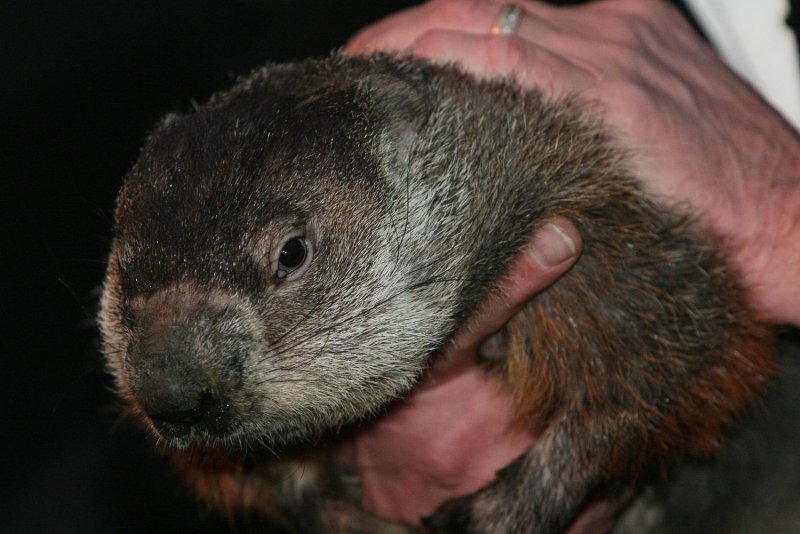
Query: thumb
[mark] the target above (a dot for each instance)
(551, 252)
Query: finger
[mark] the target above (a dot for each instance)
(394, 33)
(550, 253)
(398, 32)
(508, 57)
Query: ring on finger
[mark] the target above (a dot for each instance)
(508, 20)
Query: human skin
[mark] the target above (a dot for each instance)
(699, 139)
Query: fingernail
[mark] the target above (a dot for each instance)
(551, 246)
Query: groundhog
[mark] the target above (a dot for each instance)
(289, 258)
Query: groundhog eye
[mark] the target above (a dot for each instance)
(292, 259)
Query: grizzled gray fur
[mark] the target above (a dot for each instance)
(289, 257)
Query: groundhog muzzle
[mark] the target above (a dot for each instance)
(290, 256)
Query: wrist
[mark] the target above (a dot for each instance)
(766, 239)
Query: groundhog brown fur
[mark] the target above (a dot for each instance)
(289, 257)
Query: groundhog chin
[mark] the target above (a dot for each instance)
(241, 426)
(228, 434)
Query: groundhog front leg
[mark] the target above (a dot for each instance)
(332, 505)
(541, 492)
(305, 494)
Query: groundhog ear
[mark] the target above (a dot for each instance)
(402, 108)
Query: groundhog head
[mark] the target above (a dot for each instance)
(262, 283)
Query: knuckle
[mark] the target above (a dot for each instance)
(631, 94)
(632, 30)
(637, 22)
(624, 56)
(648, 12)
(427, 45)
(505, 53)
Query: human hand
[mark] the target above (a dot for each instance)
(699, 138)
(454, 431)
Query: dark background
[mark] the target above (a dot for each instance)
(80, 84)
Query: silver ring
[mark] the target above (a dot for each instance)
(508, 20)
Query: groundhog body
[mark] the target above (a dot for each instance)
(289, 257)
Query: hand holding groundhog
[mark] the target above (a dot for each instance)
(698, 135)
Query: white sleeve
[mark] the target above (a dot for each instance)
(753, 38)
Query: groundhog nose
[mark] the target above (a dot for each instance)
(176, 402)
(172, 400)
(178, 394)
(183, 363)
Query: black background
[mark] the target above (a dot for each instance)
(80, 84)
